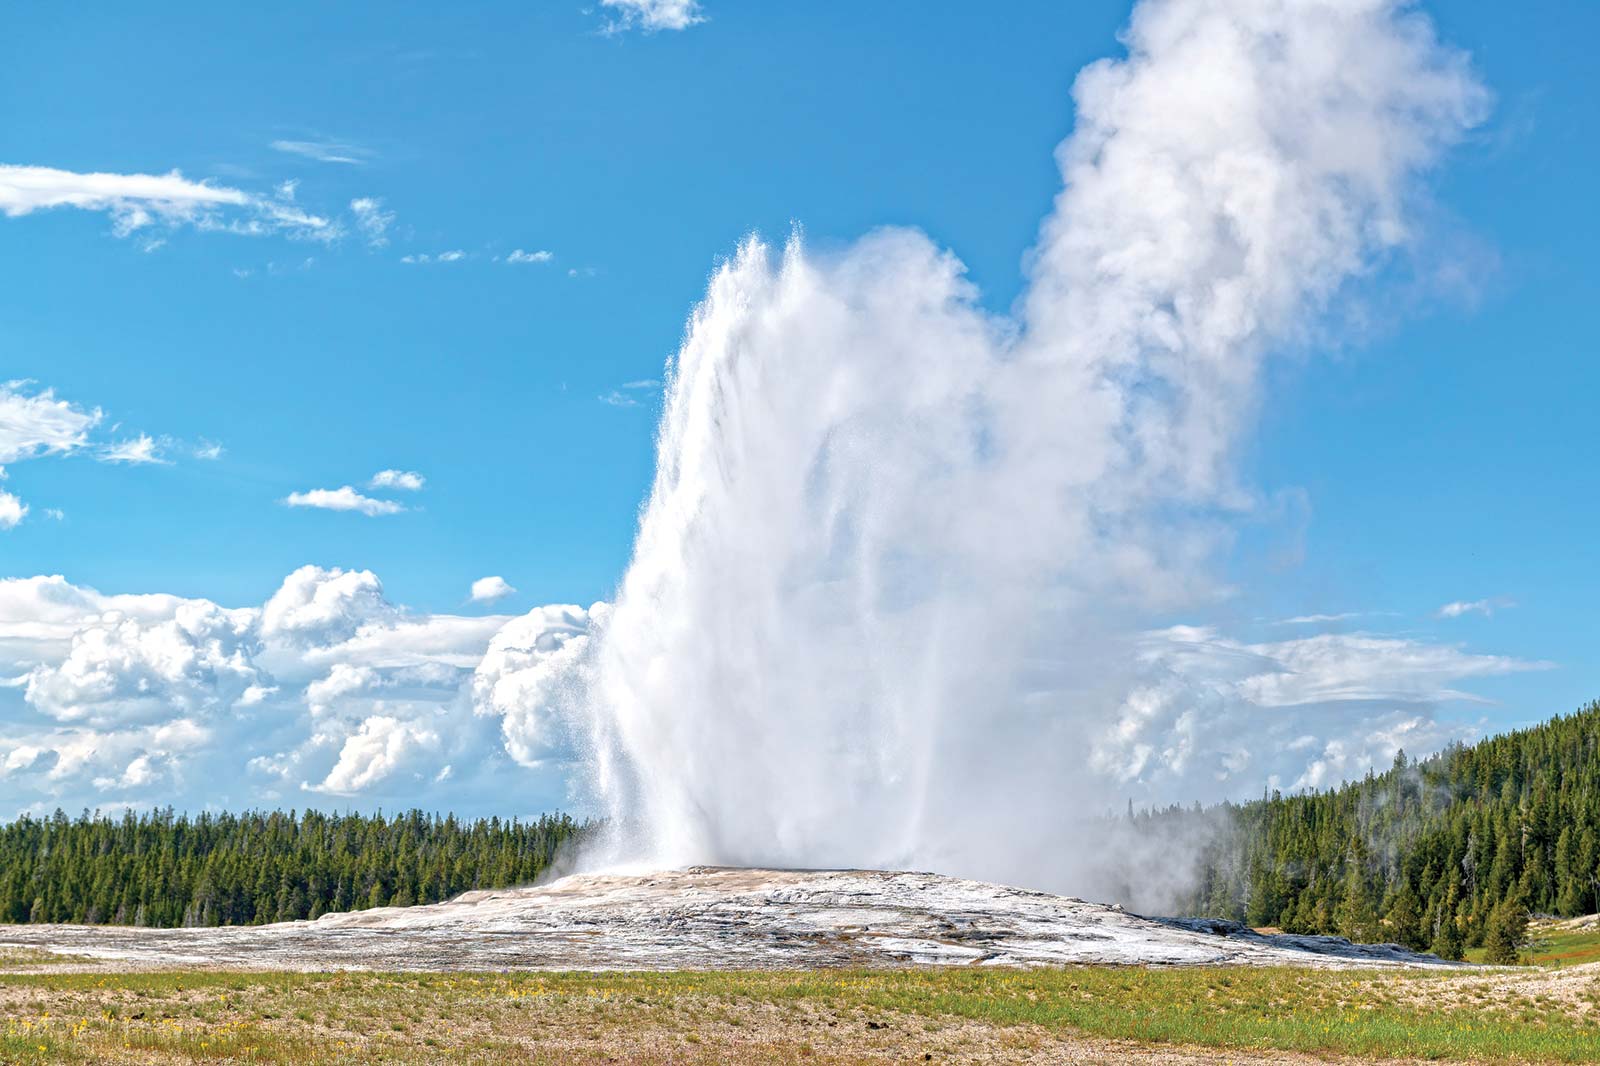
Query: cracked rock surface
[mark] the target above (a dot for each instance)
(717, 918)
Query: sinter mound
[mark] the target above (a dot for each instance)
(717, 918)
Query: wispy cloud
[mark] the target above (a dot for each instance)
(409, 480)
(455, 255)
(209, 450)
(344, 498)
(1466, 607)
(372, 220)
(624, 395)
(137, 201)
(652, 15)
(540, 256)
(134, 451)
(326, 151)
(34, 422)
(1318, 619)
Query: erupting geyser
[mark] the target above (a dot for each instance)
(884, 587)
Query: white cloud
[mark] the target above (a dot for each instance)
(344, 498)
(530, 677)
(135, 451)
(381, 746)
(134, 200)
(620, 397)
(540, 256)
(123, 669)
(1318, 619)
(652, 15)
(372, 220)
(423, 258)
(36, 423)
(208, 450)
(137, 201)
(315, 607)
(489, 589)
(1465, 607)
(1300, 713)
(409, 480)
(12, 510)
(325, 151)
(327, 683)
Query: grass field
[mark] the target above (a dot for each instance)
(1558, 943)
(1098, 1014)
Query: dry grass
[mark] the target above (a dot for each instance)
(1088, 1014)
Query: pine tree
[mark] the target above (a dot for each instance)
(1507, 931)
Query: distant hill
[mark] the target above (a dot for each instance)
(1446, 853)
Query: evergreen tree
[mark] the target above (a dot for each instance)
(161, 869)
(1506, 934)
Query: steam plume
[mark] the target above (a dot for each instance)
(885, 589)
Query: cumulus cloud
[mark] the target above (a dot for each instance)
(12, 510)
(489, 589)
(382, 745)
(138, 201)
(1301, 713)
(344, 498)
(326, 686)
(124, 669)
(540, 256)
(531, 677)
(316, 607)
(409, 480)
(652, 15)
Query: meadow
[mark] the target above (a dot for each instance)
(70, 1011)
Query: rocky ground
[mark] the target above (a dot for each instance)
(715, 919)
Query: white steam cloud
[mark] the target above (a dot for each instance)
(887, 593)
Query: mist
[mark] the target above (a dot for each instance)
(888, 590)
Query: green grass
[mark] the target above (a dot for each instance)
(1552, 946)
(301, 1018)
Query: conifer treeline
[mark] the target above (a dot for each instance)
(159, 869)
(1449, 852)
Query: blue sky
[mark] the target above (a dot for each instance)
(1432, 448)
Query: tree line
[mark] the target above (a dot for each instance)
(1450, 852)
(161, 869)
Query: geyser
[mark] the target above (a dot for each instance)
(884, 590)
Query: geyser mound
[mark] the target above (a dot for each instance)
(718, 918)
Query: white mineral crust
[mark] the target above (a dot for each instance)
(718, 918)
